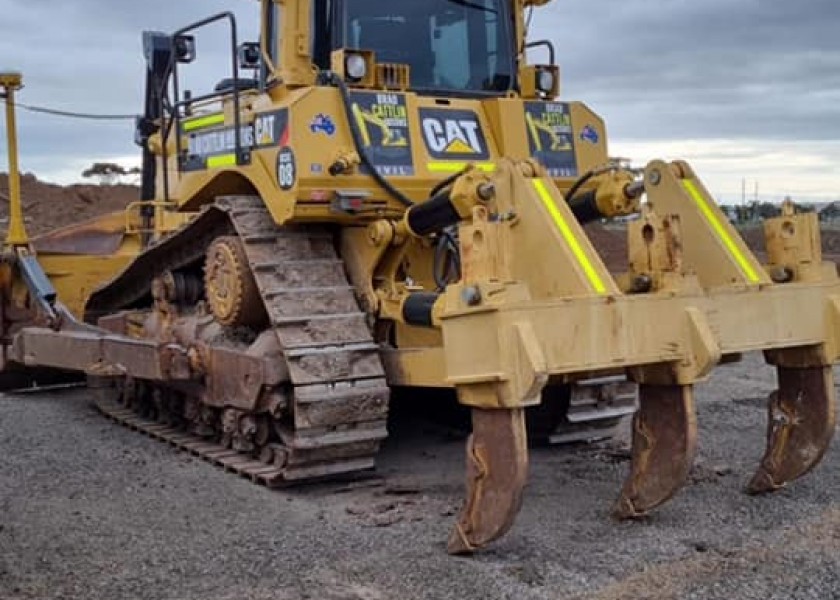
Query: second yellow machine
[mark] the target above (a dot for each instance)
(396, 198)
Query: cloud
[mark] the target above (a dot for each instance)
(87, 56)
(717, 68)
(753, 83)
(805, 171)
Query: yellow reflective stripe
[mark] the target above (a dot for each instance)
(454, 167)
(574, 244)
(202, 122)
(720, 231)
(224, 160)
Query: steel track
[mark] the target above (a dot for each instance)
(338, 390)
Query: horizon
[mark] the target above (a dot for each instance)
(750, 199)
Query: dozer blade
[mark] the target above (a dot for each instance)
(497, 468)
(801, 424)
(664, 442)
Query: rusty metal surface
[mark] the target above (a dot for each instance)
(116, 323)
(497, 470)
(259, 472)
(184, 247)
(331, 418)
(45, 347)
(664, 444)
(234, 379)
(101, 236)
(801, 422)
(99, 352)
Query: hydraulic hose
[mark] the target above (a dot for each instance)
(446, 183)
(583, 179)
(585, 205)
(446, 268)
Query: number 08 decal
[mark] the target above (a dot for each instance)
(286, 169)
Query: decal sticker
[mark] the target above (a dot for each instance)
(551, 137)
(286, 168)
(215, 142)
(382, 122)
(269, 129)
(453, 134)
(316, 169)
(212, 146)
(323, 124)
(590, 134)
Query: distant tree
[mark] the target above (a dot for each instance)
(109, 173)
(731, 212)
(830, 212)
(765, 210)
(742, 214)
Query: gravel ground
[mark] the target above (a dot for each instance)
(91, 510)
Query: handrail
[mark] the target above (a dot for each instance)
(179, 103)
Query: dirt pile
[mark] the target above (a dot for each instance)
(48, 206)
(754, 236)
(611, 244)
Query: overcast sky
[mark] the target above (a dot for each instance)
(743, 89)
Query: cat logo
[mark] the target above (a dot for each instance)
(264, 130)
(452, 137)
(453, 134)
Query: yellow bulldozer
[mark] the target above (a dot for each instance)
(396, 198)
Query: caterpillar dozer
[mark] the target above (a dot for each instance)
(397, 198)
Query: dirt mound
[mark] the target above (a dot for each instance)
(754, 236)
(48, 206)
(611, 244)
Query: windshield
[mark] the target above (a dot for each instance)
(460, 45)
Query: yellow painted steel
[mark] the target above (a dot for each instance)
(225, 160)
(592, 275)
(16, 236)
(457, 167)
(721, 232)
(204, 122)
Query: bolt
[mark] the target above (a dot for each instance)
(642, 284)
(471, 296)
(782, 274)
(486, 192)
(655, 177)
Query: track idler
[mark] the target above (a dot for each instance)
(664, 443)
(801, 424)
(497, 469)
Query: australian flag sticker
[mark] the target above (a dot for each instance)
(590, 134)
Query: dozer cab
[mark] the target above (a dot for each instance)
(397, 198)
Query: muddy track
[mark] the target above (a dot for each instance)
(217, 454)
(338, 393)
